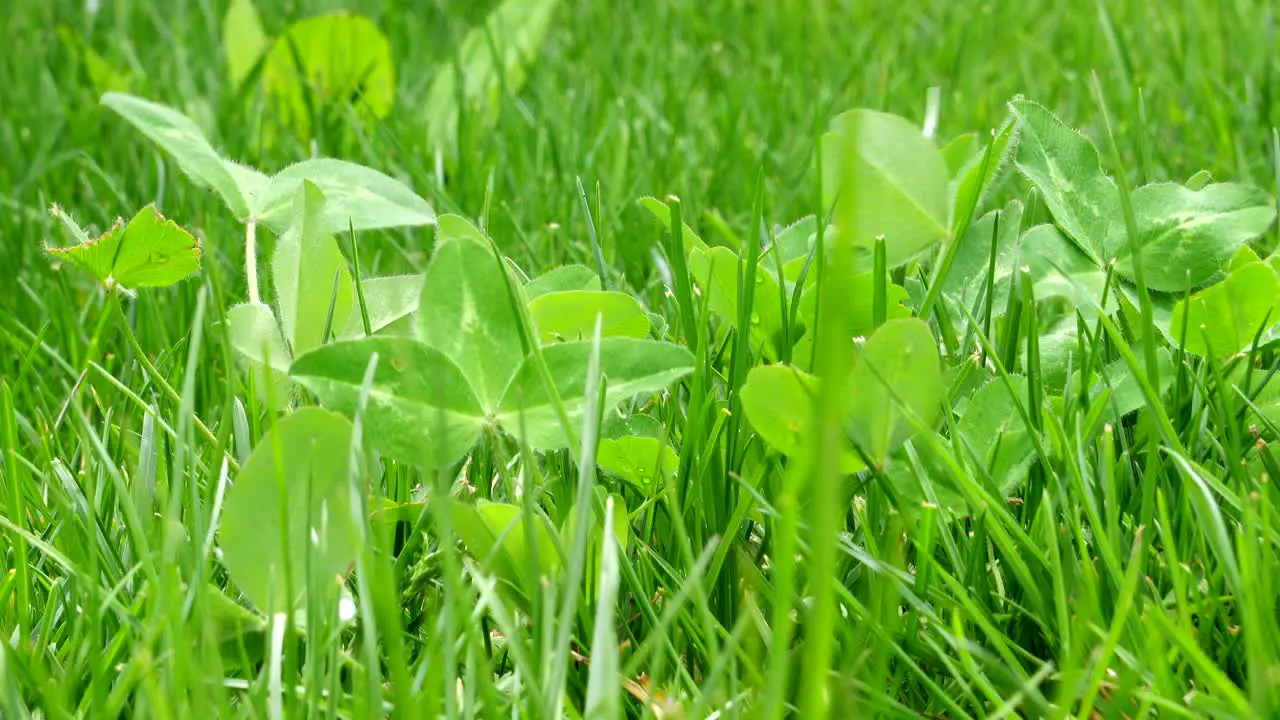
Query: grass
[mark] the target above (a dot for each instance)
(1131, 577)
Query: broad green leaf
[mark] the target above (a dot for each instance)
(495, 534)
(421, 409)
(893, 183)
(1060, 269)
(468, 312)
(1244, 256)
(182, 139)
(356, 197)
(967, 278)
(646, 462)
(234, 626)
(388, 300)
(1064, 166)
(1228, 315)
(1059, 352)
(716, 272)
(571, 315)
(896, 375)
(294, 492)
(148, 252)
(630, 367)
(243, 40)
(339, 58)
(993, 430)
(975, 179)
(1187, 236)
(492, 59)
(779, 403)
(255, 334)
(306, 263)
(566, 277)
(662, 212)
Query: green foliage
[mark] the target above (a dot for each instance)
(648, 463)
(150, 251)
(1187, 236)
(493, 59)
(340, 58)
(314, 289)
(896, 387)
(897, 187)
(243, 40)
(1224, 319)
(288, 515)
(572, 315)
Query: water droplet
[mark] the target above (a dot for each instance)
(759, 279)
(755, 318)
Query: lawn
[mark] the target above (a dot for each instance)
(671, 359)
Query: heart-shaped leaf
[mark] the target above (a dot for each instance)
(311, 275)
(1187, 236)
(1065, 168)
(183, 140)
(647, 463)
(421, 409)
(896, 376)
(290, 508)
(779, 403)
(571, 315)
(892, 182)
(630, 367)
(357, 197)
(1059, 268)
(468, 312)
(1222, 320)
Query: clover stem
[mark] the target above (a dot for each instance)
(251, 259)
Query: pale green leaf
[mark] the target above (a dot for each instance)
(255, 334)
(993, 430)
(893, 182)
(493, 58)
(896, 376)
(294, 492)
(306, 262)
(571, 315)
(388, 300)
(495, 534)
(340, 58)
(183, 140)
(647, 463)
(967, 278)
(716, 272)
(243, 40)
(356, 197)
(779, 403)
(1222, 320)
